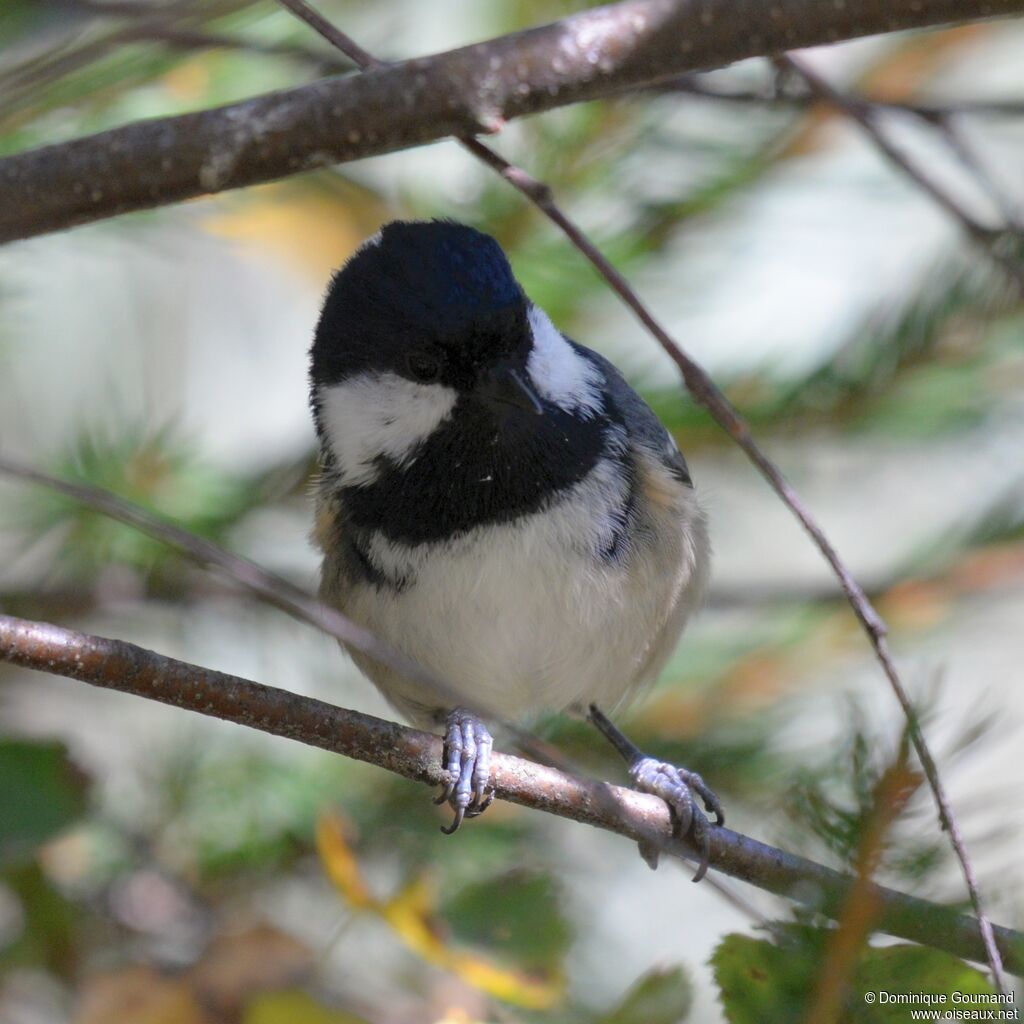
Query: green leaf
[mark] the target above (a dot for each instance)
(48, 935)
(41, 794)
(910, 970)
(760, 983)
(517, 913)
(763, 983)
(662, 996)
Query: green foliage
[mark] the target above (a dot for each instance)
(663, 996)
(833, 798)
(48, 936)
(41, 794)
(517, 913)
(157, 471)
(760, 983)
(235, 812)
(765, 982)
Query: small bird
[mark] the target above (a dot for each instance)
(497, 503)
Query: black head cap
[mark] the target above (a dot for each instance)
(437, 292)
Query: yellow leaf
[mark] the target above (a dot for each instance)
(188, 81)
(340, 862)
(313, 230)
(511, 986)
(412, 916)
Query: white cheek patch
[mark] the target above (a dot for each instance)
(558, 372)
(380, 414)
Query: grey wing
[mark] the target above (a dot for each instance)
(641, 422)
(649, 435)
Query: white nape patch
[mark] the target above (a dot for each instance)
(558, 372)
(375, 414)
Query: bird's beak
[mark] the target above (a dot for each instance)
(506, 385)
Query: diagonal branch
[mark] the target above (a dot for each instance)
(594, 53)
(694, 84)
(987, 239)
(706, 393)
(273, 589)
(116, 665)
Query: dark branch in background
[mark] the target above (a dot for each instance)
(707, 394)
(466, 91)
(116, 665)
(696, 85)
(271, 588)
(867, 111)
(987, 239)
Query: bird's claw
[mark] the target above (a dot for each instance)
(677, 786)
(467, 760)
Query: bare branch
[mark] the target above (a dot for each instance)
(986, 238)
(696, 85)
(273, 589)
(474, 89)
(116, 665)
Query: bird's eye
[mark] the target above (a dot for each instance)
(424, 366)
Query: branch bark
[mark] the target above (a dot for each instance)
(466, 91)
(117, 665)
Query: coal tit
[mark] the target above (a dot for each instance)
(496, 502)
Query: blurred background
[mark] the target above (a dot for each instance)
(156, 866)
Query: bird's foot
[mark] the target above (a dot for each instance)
(467, 759)
(677, 787)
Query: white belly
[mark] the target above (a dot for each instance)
(523, 617)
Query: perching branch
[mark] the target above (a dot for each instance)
(707, 394)
(466, 91)
(271, 588)
(116, 665)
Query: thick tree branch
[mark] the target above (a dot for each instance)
(116, 665)
(462, 92)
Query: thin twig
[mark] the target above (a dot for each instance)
(706, 393)
(116, 665)
(197, 39)
(696, 85)
(893, 790)
(984, 237)
(972, 163)
(276, 591)
(940, 116)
